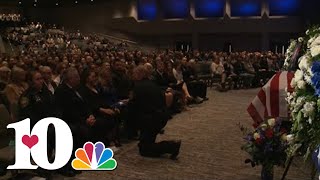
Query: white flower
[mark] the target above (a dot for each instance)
(288, 51)
(310, 120)
(307, 32)
(304, 62)
(299, 103)
(256, 136)
(271, 122)
(301, 84)
(298, 75)
(294, 94)
(308, 79)
(263, 126)
(309, 71)
(300, 39)
(290, 138)
(311, 41)
(300, 100)
(315, 50)
(308, 109)
(315, 42)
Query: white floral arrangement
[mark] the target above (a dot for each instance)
(290, 52)
(304, 102)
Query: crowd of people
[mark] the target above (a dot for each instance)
(10, 17)
(100, 88)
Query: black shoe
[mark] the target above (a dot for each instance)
(161, 131)
(77, 172)
(191, 100)
(198, 101)
(3, 170)
(44, 173)
(67, 172)
(176, 150)
(133, 138)
(223, 90)
(205, 99)
(117, 143)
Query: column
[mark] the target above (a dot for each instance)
(195, 40)
(265, 41)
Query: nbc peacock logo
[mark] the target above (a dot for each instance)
(94, 157)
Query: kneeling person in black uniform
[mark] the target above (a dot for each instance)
(148, 104)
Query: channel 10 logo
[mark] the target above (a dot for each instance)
(34, 144)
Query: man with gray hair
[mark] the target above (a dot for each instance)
(149, 69)
(74, 112)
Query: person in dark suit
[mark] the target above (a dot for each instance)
(37, 103)
(74, 111)
(149, 107)
(159, 76)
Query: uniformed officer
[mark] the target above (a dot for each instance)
(148, 107)
(37, 102)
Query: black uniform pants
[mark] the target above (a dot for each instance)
(149, 148)
(147, 145)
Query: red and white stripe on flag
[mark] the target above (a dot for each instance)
(271, 102)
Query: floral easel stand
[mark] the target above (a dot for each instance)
(287, 169)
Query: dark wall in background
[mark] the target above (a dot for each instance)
(116, 17)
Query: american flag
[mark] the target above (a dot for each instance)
(271, 99)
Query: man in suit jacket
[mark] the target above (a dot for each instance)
(160, 77)
(74, 111)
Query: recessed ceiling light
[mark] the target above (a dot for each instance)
(76, 2)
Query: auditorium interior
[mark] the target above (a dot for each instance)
(175, 89)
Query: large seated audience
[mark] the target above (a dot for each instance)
(103, 90)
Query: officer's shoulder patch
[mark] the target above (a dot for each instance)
(24, 101)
